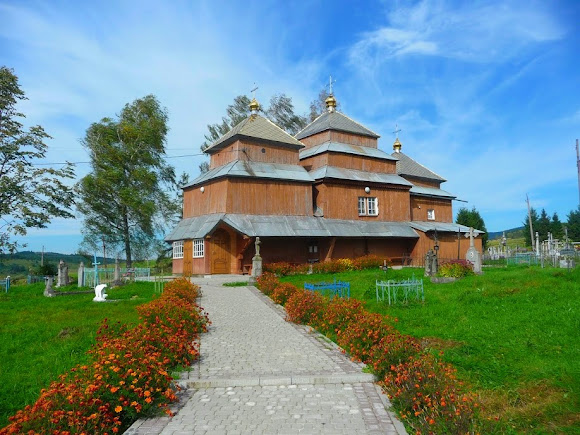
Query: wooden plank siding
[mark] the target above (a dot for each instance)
(420, 205)
(422, 182)
(211, 200)
(340, 201)
(242, 150)
(187, 257)
(448, 246)
(340, 137)
(349, 161)
(269, 197)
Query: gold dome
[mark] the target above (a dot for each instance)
(330, 103)
(397, 146)
(254, 106)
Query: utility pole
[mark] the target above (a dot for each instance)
(530, 221)
(578, 165)
(42, 256)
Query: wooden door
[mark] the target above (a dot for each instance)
(220, 252)
(187, 257)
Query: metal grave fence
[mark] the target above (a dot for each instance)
(5, 283)
(523, 258)
(400, 291)
(334, 289)
(31, 279)
(106, 276)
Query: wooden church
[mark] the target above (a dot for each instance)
(326, 193)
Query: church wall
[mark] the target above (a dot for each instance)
(340, 201)
(448, 246)
(243, 150)
(393, 249)
(314, 162)
(361, 163)
(423, 183)
(211, 200)
(442, 207)
(269, 197)
(177, 268)
(341, 137)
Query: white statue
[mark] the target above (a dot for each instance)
(100, 295)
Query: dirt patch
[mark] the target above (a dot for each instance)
(67, 332)
(439, 343)
(529, 408)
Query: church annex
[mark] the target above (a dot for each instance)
(327, 193)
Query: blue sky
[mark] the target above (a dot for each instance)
(486, 92)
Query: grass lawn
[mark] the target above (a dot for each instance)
(512, 333)
(41, 338)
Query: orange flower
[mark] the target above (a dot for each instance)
(114, 389)
(118, 409)
(148, 400)
(147, 394)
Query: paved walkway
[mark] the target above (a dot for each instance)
(260, 374)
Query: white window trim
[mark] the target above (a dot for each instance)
(431, 214)
(178, 249)
(198, 248)
(365, 202)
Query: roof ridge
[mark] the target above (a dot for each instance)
(358, 123)
(423, 166)
(309, 124)
(281, 129)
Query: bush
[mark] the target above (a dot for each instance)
(283, 292)
(305, 307)
(391, 350)
(338, 315)
(267, 282)
(127, 374)
(455, 269)
(332, 266)
(429, 396)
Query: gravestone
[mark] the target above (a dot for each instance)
(48, 290)
(62, 278)
(81, 275)
(100, 295)
(473, 255)
(431, 263)
(256, 263)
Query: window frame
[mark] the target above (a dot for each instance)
(375, 201)
(198, 248)
(178, 249)
(362, 211)
(430, 214)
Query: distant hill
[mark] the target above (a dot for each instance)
(19, 263)
(513, 233)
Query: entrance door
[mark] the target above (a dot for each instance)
(220, 253)
(187, 258)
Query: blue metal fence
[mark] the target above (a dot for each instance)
(338, 289)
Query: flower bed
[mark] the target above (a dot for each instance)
(455, 269)
(127, 377)
(422, 388)
(332, 266)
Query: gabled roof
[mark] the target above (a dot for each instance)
(407, 166)
(256, 127)
(242, 168)
(431, 192)
(289, 226)
(335, 121)
(345, 149)
(334, 172)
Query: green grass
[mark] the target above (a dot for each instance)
(236, 284)
(41, 338)
(512, 333)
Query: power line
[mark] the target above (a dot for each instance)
(81, 163)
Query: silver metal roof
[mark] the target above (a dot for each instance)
(407, 166)
(242, 168)
(289, 226)
(355, 175)
(444, 227)
(345, 149)
(335, 121)
(256, 127)
(431, 192)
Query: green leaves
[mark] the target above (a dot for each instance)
(30, 197)
(124, 198)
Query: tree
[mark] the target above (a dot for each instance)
(556, 227)
(280, 111)
(534, 217)
(124, 199)
(318, 106)
(573, 225)
(472, 218)
(544, 225)
(30, 196)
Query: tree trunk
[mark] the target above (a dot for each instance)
(127, 239)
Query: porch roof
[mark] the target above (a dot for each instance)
(289, 226)
(442, 227)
